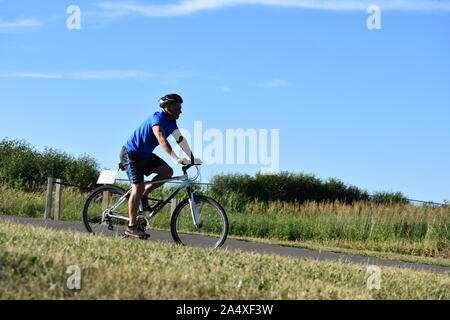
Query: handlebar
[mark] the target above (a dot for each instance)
(187, 166)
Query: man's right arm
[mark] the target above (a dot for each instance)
(158, 131)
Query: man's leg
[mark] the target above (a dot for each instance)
(133, 203)
(162, 172)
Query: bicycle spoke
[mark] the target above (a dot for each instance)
(96, 207)
(212, 230)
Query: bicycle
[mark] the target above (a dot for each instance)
(196, 220)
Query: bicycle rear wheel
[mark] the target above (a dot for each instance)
(97, 206)
(213, 230)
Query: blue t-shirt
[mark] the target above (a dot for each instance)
(143, 141)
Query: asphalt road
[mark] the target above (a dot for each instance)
(231, 244)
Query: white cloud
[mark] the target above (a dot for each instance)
(272, 83)
(184, 7)
(86, 75)
(110, 75)
(21, 23)
(226, 89)
(31, 75)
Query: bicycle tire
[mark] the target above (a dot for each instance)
(93, 211)
(214, 229)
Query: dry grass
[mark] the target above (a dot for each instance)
(33, 264)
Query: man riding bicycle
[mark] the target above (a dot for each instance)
(138, 160)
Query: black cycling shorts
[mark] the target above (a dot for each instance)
(137, 167)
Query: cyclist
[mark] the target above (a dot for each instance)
(138, 160)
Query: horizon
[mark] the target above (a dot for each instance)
(121, 176)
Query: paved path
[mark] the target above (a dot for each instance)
(231, 244)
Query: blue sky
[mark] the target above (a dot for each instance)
(370, 107)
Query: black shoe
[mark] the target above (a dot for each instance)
(136, 232)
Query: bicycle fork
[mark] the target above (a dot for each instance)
(196, 219)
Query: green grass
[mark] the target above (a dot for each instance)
(34, 261)
(412, 233)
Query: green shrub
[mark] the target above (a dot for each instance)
(285, 186)
(21, 166)
(389, 198)
(82, 171)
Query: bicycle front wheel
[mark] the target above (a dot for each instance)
(98, 206)
(212, 230)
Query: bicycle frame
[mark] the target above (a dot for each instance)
(185, 183)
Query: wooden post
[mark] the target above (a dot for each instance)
(48, 205)
(173, 204)
(105, 200)
(58, 193)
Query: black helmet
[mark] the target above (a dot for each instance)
(169, 99)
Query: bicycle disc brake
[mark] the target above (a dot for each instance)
(108, 221)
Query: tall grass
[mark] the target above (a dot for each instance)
(407, 229)
(396, 228)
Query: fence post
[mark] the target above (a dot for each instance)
(173, 204)
(105, 200)
(48, 205)
(58, 194)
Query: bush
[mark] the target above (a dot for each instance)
(25, 168)
(286, 187)
(82, 171)
(18, 163)
(389, 198)
(290, 187)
